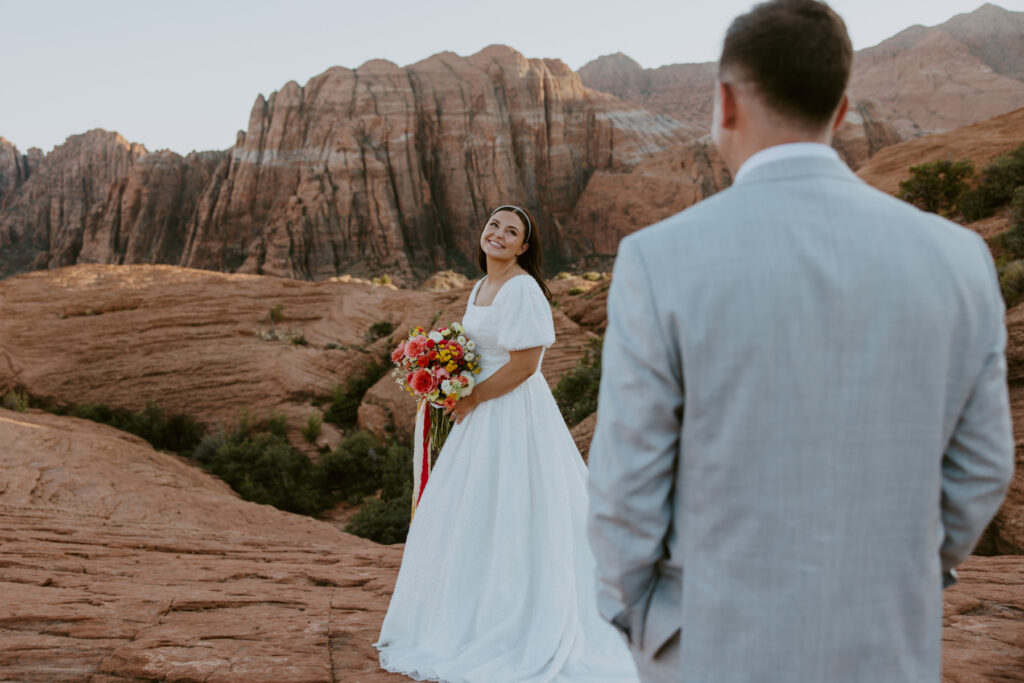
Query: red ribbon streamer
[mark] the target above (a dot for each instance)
(425, 471)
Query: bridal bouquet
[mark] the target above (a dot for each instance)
(436, 368)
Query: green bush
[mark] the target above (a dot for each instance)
(1012, 241)
(257, 462)
(299, 340)
(576, 392)
(936, 186)
(997, 185)
(277, 314)
(563, 276)
(380, 329)
(314, 427)
(573, 291)
(178, 433)
(345, 399)
(1011, 282)
(382, 521)
(261, 466)
(1017, 209)
(592, 276)
(361, 465)
(15, 399)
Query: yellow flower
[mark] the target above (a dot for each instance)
(452, 367)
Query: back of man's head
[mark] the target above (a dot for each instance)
(797, 54)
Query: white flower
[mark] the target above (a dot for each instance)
(434, 396)
(470, 345)
(448, 386)
(461, 339)
(470, 356)
(435, 336)
(459, 329)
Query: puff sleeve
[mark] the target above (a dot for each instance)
(526, 320)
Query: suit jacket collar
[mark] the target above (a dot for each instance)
(798, 167)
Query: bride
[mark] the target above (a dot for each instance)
(497, 577)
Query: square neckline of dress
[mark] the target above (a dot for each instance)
(476, 291)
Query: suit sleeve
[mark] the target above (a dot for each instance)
(978, 462)
(635, 447)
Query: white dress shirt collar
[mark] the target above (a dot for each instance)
(788, 151)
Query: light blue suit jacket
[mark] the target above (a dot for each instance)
(803, 423)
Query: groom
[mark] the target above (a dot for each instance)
(804, 424)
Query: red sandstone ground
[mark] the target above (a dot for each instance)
(193, 341)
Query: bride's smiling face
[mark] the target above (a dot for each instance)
(504, 236)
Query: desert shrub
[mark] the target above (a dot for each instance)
(592, 276)
(256, 461)
(975, 203)
(382, 521)
(573, 291)
(345, 399)
(277, 314)
(380, 329)
(178, 433)
(313, 428)
(576, 392)
(563, 276)
(997, 185)
(936, 186)
(15, 399)
(384, 279)
(1011, 282)
(361, 465)
(299, 340)
(1017, 209)
(1012, 241)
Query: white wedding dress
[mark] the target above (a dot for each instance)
(497, 578)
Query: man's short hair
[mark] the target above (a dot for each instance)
(796, 52)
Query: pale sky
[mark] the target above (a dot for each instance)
(183, 74)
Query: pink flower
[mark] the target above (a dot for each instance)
(415, 346)
(464, 381)
(397, 354)
(449, 402)
(441, 373)
(423, 382)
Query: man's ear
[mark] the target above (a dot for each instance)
(727, 105)
(844, 106)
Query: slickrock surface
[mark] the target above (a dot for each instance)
(979, 142)
(983, 625)
(190, 340)
(121, 564)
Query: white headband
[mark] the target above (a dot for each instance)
(520, 212)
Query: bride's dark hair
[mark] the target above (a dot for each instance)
(529, 260)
